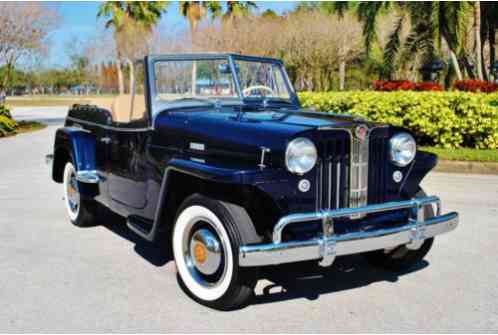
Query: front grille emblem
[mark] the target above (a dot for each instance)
(361, 132)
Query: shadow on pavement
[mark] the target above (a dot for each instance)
(292, 281)
(309, 281)
(158, 253)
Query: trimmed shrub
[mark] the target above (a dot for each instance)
(444, 119)
(471, 85)
(7, 123)
(405, 85)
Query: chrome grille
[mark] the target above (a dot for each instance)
(350, 172)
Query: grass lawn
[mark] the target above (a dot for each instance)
(464, 154)
(49, 100)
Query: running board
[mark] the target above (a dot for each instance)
(142, 227)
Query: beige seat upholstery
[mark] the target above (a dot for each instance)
(121, 109)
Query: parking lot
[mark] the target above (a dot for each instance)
(56, 277)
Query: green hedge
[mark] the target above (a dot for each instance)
(7, 123)
(444, 119)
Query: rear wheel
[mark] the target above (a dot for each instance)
(206, 240)
(80, 211)
(401, 258)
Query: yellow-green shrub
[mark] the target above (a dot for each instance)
(446, 119)
(7, 123)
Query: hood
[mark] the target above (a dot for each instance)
(228, 132)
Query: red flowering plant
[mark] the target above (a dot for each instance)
(471, 85)
(393, 85)
(405, 85)
(428, 86)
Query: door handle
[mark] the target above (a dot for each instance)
(106, 140)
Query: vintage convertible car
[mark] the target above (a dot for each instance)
(216, 151)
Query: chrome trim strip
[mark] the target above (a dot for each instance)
(123, 129)
(338, 186)
(347, 212)
(329, 172)
(88, 176)
(327, 248)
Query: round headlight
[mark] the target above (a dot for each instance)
(403, 149)
(300, 156)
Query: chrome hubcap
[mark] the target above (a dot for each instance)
(205, 250)
(204, 253)
(73, 196)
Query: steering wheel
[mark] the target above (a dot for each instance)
(247, 91)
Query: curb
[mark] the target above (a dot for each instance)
(467, 167)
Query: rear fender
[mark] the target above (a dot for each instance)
(79, 144)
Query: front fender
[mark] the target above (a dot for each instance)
(423, 164)
(278, 184)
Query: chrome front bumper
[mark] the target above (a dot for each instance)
(329, 245)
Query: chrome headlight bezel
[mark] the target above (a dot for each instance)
(300, 156)
(402, 149)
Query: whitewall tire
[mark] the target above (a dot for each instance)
(206, 239)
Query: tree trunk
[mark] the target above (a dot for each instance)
(492, 50)
(477, 33)
(342, 74)
(456, 67)
(120, 77)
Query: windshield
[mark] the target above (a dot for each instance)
(261, 80)
(190, 82)
(194, 80)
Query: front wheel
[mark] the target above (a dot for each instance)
(402, 258)
(206, 240)
(80, 211)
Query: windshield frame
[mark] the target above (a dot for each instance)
(158, 105)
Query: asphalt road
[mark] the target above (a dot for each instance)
(55, 277)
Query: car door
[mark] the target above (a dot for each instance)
(127, 163)
(127, 168)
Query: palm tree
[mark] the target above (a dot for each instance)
(339, 8)
(236, 9)
(196, 11)
(123, 15)
(489, 25)
(431, 23)
(477, 34)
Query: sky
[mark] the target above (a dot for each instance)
(79, 20)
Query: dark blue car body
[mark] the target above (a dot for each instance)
(143, 170)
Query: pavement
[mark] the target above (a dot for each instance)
(55, 277)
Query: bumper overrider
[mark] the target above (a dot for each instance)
(329, 245)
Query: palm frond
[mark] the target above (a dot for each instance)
(392, 47)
